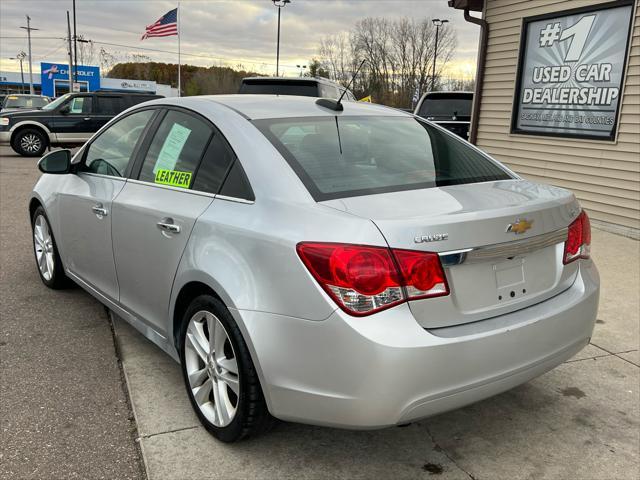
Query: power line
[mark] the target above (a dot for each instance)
(32, 38)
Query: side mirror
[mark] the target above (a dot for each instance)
(57, 162)
(65, 110)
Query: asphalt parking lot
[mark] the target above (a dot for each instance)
(65, 410)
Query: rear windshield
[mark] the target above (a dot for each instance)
(25, 102)
(338, 157)
(446, 107)
(302, 88)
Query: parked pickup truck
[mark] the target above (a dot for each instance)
(67, 121)
(452, 110)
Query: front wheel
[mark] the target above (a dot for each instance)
(219, 374)
(29, 142)
(46, 252)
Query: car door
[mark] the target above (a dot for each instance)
(86, 202)
(154, 214)
(74, 120)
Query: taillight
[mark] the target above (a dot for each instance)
(422, 273)
(363, 280)
(578, 244)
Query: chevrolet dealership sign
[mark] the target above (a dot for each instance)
(570, 72)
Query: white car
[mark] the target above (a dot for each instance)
(356, 267)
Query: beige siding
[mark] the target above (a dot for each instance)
(604, 175)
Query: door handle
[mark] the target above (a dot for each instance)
(99, 210)
(87, 118)
(167, 225)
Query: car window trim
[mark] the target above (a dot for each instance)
(186, 190)
(134, 153)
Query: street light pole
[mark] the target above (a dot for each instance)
(28, 28)
(438, 23)
(75, 45)
(279, 4)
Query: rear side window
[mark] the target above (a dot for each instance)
(136, 99)
(236, 184)
(338, 157)
(110, 105)
(328, 91)
(215, 165)
(176, 150)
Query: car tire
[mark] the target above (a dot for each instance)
(219, 375)
(29, 142)
(46, 253)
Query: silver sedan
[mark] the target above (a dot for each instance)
(356, 267)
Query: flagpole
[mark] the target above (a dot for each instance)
(179, 35)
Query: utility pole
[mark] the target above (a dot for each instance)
(28, 28)
(279, 4)
(438, 23)
(70, 54)
(20, 56)
(75, 44)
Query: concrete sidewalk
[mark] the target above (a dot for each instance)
(580, 420)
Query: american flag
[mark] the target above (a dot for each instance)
(166, 26)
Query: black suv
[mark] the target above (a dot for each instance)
(67, 121)
(452, 110)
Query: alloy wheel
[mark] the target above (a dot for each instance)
(212, 368)
(31, 143)
(43, 243)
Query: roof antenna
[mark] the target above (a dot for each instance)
(335, 104)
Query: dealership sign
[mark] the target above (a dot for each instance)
(570, 72)
(57, 73)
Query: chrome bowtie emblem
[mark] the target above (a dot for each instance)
(521, 225)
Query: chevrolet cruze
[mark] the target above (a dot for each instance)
(348, 265)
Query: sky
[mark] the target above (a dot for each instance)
(215, 32)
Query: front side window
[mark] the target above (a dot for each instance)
(339, 157)
(176, 150)
(57, 102)
(110, 153)
(80, 105)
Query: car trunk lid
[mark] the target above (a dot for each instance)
(500, 243)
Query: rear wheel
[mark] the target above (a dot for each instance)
(29, 142)
(219, 374)
(46, 252)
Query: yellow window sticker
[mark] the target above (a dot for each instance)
(173, 178)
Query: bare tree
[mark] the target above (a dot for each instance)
(399, 56)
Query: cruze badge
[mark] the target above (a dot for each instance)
(436, 237)
(519, 226)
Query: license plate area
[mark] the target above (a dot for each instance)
(510, 279)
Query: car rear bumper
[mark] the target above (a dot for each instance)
(385, 369)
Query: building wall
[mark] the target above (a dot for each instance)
(604, 175)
